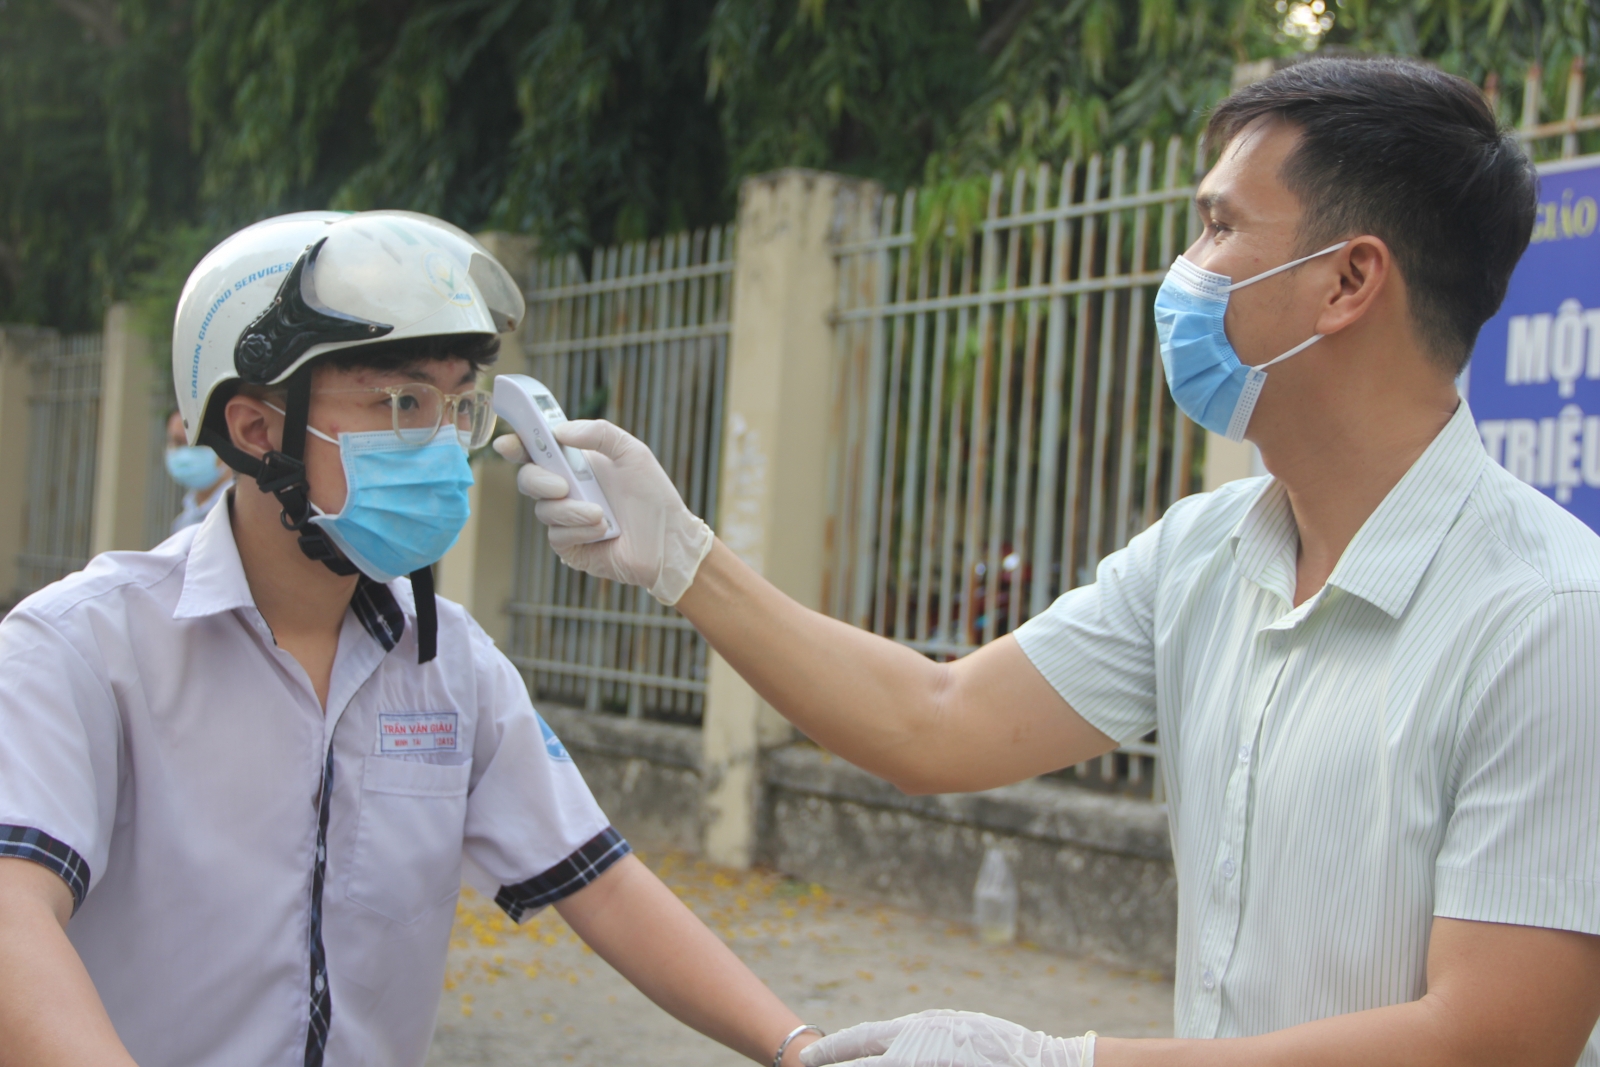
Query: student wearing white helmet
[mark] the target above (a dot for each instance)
(243, 775)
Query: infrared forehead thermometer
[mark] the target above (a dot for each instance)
(533, 413)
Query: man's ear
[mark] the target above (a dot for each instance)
(254, 427)
(1365, 270)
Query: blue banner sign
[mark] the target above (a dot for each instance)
(1534, 380)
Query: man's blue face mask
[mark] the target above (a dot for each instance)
(1208, 382)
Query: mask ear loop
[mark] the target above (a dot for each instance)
(310, 429)
(1255, 378)
(1283, 267)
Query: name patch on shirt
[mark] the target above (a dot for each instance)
(417, 731)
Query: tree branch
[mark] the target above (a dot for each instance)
(99, 17)
(998, 34)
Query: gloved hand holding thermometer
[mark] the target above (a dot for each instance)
(634, 529)
(533, 412)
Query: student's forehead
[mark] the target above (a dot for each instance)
(449, 373)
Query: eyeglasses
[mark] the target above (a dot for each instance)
(417, 410)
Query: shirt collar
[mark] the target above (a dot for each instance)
(1265, 542)
(1385, 561)
(213, 580)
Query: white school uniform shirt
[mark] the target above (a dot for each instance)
(1421, 738)
(165, 757)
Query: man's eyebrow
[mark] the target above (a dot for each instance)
(1212, 202)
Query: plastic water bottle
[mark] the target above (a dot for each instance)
(994, 900)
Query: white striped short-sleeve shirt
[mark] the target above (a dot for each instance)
(1421, 738)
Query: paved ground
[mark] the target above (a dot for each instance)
(535, 994)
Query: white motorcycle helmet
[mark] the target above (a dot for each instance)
(268, 301)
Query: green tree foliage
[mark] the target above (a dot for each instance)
(871, 87)
(137, 132)
(94, 151)
(577, 120)
(1077, 75)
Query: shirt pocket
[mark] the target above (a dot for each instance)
(407, 857)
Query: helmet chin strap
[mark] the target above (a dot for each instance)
(283, 474)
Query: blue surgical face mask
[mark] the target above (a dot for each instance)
(194, 466)
(405, 505)
(1207, 381)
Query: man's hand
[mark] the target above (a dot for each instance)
(948, 1039)
(662, 541)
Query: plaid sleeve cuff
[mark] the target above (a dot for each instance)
(589, 862)
(26, 843)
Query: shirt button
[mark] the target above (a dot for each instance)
(1208, 981)
(1244, 753)
(1227, 868)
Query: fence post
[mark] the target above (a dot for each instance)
(122, 465)
(774, 499)
(17, 345)
(477, 572)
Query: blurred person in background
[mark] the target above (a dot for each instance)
(203, 476)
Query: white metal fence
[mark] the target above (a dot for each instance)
(64, 428)
(640, 339)
(1003, 418)
(1531, 130)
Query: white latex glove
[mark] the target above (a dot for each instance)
(948, 1039)
(662, 542)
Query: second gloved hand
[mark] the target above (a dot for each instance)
(948, 1039)
(662, 541)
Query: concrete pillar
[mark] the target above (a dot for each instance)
(1228, 460)
(477, 572)
(774, 496)
(122, 464)
(17, 345)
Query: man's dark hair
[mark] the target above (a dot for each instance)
(1414, 157)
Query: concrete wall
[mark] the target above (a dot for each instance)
(1094, 872)
(122, 467)
(646, 775)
